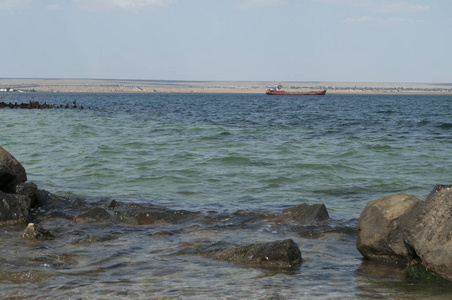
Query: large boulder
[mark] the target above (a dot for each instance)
(430, 236)
(382, 228)
(277, 254)
(14, 209)
(11, 172)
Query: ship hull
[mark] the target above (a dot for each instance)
(317, 93)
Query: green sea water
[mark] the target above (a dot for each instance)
(228, 152)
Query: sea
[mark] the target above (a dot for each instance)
(231, 154)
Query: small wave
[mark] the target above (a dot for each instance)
(379, 147)
(389, 111)
(445, 126)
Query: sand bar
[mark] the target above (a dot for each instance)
(254, 87)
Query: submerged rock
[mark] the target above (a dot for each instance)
(97, 215)
(382, 226)
(36, 232)
(14, 209)
(277, 254)
(305, 213)
(164, 215)
(302, 214)
(150, 214)
(417, 270)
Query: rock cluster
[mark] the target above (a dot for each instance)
(17, 196)
(22, 203)
(36, 105)
(404, 230)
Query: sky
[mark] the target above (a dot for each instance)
(228, 40)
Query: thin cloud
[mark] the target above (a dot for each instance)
(381, 6)
(8, 4)
(130, 5)
(378, 22)
(249, 4)
(53, 7)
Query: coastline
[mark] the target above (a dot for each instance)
(243, 87)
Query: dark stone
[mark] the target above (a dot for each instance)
(5, 176)
(277, 254)
(382, 227)
(97, 215)
(36, 232)
(113, 204)
(164, 216)
(42, 198)
(30, 190)
(150, 214)
(302, 214)
(14, 208)
(11, 172)
(430, 236)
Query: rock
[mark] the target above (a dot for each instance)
(150, 214)
(417, 270)
(11, 172)
(97, 215)
(6, 176)
(164, 215)
(302, 214)
(113, 204)
(382, 226)
(277, 254)
(36, 232)
(14, 208)
(430, 236)
(30, 190)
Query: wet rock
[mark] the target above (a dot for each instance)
(30, 190)
(151, 214)
(14, 209)
(382, 227)
(11, 172)
(430, 237)
(97, 215)
(277, 254)
(416, 270)
(302, 214)
(164, 215)
(113, 204)
(36, 232)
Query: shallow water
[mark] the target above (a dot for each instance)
(222, 153)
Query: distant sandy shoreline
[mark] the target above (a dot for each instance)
(249, 87)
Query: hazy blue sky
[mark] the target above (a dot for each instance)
(255, 40)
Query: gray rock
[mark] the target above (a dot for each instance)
(97, 215)
(11, 172)
(302, 214)
(277, 254)
(164, 216)
(150, 214)
(14, 209)
(430, 237)
(382, 227)
(36, 232)
(30, 190)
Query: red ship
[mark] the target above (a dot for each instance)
(278, 90)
